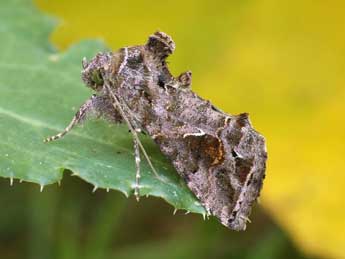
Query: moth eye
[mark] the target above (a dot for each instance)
(96, 77)
(135, 62)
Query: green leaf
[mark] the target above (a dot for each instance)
(40, 92)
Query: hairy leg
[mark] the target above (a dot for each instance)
(121, 106)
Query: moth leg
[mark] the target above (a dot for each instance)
(76, 119)
(96, 105)
(137, 164)
(117, 104)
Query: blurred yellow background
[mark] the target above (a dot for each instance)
(281, 61)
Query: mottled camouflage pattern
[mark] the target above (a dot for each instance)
(220, 156)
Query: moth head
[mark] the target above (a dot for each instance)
(93, 71)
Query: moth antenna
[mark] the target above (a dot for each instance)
(117, 105)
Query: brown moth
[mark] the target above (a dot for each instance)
(220, 156)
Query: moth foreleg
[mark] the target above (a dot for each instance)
(117, 105)
(78, 117)
(99, 106)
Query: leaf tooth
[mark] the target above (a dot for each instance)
(175, 210)
(95, 188)
(187, 212)
(41, 187)
(125, 193)
(11, 181)
(107, 189)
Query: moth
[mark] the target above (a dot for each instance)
(220, 156)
